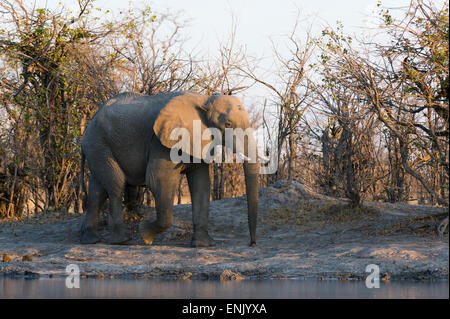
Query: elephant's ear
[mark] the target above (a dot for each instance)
(181, 112)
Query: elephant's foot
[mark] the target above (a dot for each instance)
(149, 230)
(118, 236)
(88, 236)
(202, 240)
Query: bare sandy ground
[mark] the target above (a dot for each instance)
(300, 234)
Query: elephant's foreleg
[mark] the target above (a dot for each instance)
(96, 198)
(163, 183)
(199, 187)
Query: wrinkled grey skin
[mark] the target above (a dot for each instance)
(123, 150)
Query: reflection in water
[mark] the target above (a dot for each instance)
(159, 288)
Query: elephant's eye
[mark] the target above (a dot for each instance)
(227, 124)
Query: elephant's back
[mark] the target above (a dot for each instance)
(131, 114)
(122, 98)
(135, 103)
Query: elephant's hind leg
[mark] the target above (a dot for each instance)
(110, 176)
(133, 198)
(114, 183)
(96, 198)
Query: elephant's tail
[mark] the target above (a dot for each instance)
(82, 183)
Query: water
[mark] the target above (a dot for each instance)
(252, 289)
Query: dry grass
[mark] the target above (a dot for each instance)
(343, 213)
(424, 226)
(321, 211)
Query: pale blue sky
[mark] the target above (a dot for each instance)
(258, 21)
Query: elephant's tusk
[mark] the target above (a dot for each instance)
(243, 157)
(263, 158)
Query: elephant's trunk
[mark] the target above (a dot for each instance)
(251, 171)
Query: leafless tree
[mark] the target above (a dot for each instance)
(291, 96)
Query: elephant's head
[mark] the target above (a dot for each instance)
(196, 115)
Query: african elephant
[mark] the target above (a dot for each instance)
(129, 142)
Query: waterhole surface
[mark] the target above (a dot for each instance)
(192, 289)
